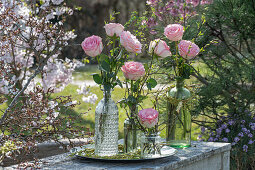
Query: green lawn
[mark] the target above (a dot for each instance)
(117, 94)
(84, 73)
(89, 117)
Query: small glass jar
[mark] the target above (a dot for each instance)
(150, 145)
(132, 136)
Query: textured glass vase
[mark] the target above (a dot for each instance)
(178, 127)
(106, 126)
(150, 145)
(131, 136)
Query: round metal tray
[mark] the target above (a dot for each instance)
(166, 151)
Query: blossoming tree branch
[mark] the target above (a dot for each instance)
(32, 37)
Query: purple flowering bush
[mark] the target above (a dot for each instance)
(172, 11)
(239, 131)
(226, 96)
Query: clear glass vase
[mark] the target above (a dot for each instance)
(150, 145)
(106, 126)
(178, 127)
(131, 136)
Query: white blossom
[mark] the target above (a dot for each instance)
(90, 99)
(57, 2)
(84, 90)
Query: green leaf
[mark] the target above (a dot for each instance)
(97, 78)
(151, 83)
(105, 66)
(141, 98)
(131, 100)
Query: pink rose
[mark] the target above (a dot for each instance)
(160, 48)
(133, 70)
(148, 117)
(130, 43)
(92, 46)
(187, 49)
(113, 28)
(174, 32)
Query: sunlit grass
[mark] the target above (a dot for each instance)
(89, 109)
(84, 73)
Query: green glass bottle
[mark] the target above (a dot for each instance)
(178, 127)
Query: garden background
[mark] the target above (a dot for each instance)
(222, 81)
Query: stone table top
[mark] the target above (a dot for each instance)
(183, 157)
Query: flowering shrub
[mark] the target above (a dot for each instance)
(240, 132)
(226, 96)
(172, 11)
(32, 36)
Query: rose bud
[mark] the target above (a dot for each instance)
(114, 28)
(160, 48)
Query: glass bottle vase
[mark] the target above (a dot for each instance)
(178, 127)
(131, 136)
(106, 126)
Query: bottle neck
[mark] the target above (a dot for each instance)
(179, 83)
(107, 94)
(133, 110)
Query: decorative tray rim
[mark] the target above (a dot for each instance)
(75, 149)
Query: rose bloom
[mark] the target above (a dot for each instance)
(160, 48)
(133, 70)
(130, 43)
(148, 117)
(187, 49)
(92, 46)
(113, 28)
(174, 32)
